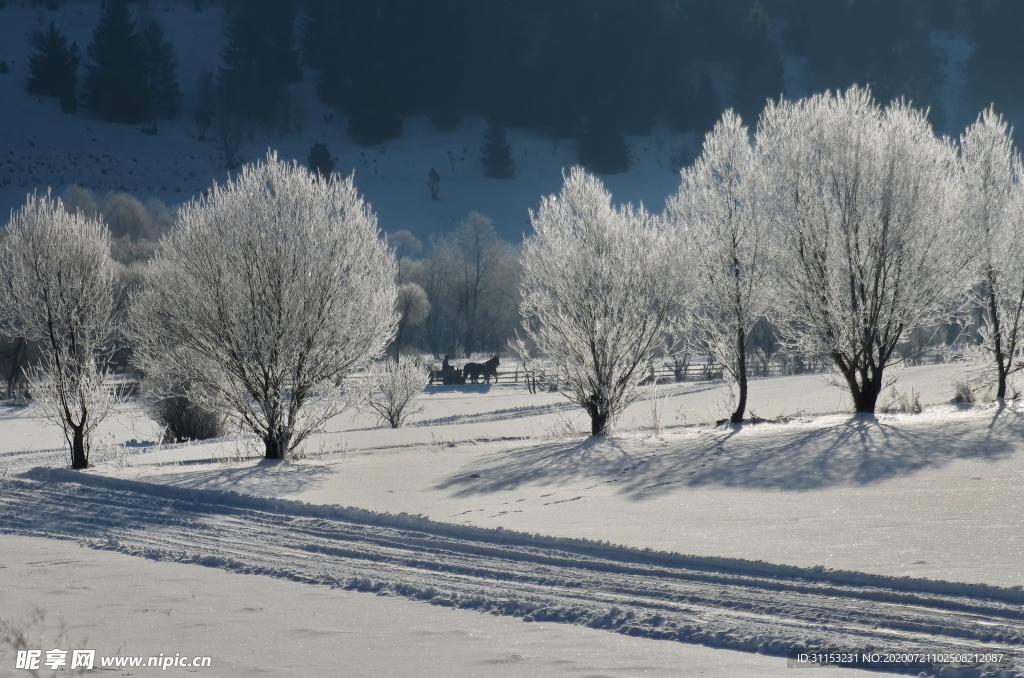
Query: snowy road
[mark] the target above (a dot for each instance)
(720, 603)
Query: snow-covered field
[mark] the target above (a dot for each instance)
(254, 625)
(904, 531)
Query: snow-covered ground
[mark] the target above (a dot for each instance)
(898, 505)
(253, 625)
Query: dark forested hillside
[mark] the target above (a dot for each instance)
(622, 65)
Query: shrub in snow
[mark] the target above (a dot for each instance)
(725, 230)
(598, 290)
(904, 402)
(182, 419)
(270, 291)
(57, 284)
(994, 201)
(392, 388)
(865, 200)
(963, 393)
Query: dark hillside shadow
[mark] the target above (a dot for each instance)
(855, 452)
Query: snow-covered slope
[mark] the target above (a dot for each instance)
(41, 147)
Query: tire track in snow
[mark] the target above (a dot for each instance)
(745, 606)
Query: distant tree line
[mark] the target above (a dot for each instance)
(130, 72)
(588, 70)
(463, 297)
(592, 69)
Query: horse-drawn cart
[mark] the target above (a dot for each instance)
(471, 372)
(451, 375)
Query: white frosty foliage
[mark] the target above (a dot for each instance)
(597, 292)
(867, 203)
(57, 284)
(267, 294)
(994, 214)
(391, 390)
(720, 216)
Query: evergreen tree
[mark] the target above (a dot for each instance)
(260, 59)
(373, 116)
(320, 160)
(496, 152)
(116, 84)
(757, 66)
(53, 66)
(998, 60)
(161, 65)
(321, 25)
(602, 149)
(693, 107)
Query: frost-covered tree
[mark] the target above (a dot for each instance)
(57, 285)
(720, 216)
(392, 388)
(405, 245)
(269, 292)
(598, 290)
(412, 307)
(476, 255)
(994, 212)
(865, 199)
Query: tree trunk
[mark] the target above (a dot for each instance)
(1001, 384)
(741, 377)
(276, 446)
(15, 374)
(79, 457)
(598, 416)
(993, 310)
(865, 396)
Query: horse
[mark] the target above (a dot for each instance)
(472, 371)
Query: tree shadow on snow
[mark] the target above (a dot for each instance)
(859, 451)
(267, 478)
